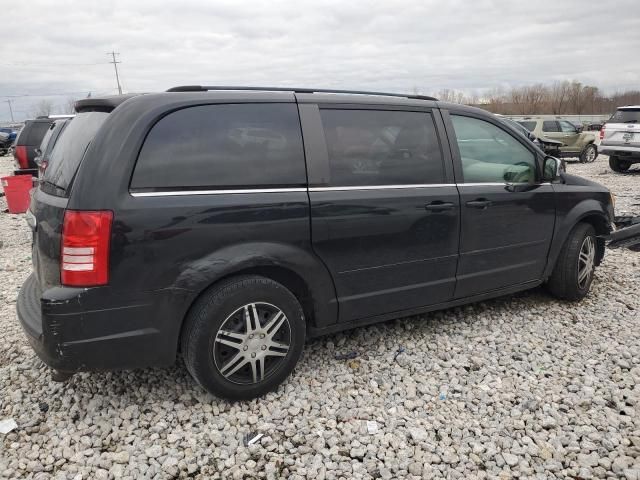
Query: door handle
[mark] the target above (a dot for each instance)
(480, 203)
(439, 206)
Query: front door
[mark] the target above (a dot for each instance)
(385, 211)
(508, 215)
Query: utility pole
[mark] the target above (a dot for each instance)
(10, 110)
(115, 66)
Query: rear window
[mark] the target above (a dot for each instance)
(223, 146)
(68, 151)
(627, 115)
(531, 126)
(550, 126)
(36, 133)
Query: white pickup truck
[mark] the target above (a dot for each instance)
(620, 138)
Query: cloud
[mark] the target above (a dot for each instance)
(397, 46)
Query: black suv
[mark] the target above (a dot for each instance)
(28, 141)
(231, 224)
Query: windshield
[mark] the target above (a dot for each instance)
(627, 115)
(528, 125)
(68, 151)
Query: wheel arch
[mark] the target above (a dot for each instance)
(589, 211)
(298, 270)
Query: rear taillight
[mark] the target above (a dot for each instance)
(20, 154)
(601, 133)
(85, 248)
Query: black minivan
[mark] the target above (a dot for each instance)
(230, 224)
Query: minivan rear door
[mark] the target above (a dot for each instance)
(385, 212)
(49, 200)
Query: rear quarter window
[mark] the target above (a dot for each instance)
(68, 151)
(223, 146)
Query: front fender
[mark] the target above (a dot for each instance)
(198, 275)
(588, 209)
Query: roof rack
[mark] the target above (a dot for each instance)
(206, 88)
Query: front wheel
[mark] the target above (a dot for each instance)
(243, 337)
(574, 270)
(589, 154)
(618, 165)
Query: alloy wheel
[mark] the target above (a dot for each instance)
(252, 343)
(586, 261)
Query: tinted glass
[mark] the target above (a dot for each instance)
(241, 145)
(531, 126)
(490, 154)
(45, 139)
(626, 116)
(550, 126)
(69, 149)
(36, 133)
(567, 127)
(375, 147)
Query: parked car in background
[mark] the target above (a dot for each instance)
(291, 213)
(575, 142)
(547, 145)
(28, 141)
(43, 152)
(7, 137)
(620, 138)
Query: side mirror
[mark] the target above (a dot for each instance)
(579, 129)
(551, 169)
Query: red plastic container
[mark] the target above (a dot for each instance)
(16, 189)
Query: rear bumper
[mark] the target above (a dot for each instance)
(620, 150)
(70, 331)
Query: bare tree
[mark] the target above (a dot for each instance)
(558, 97)
(534, 96)
(43, 108)
(518, 99)
(69, 106)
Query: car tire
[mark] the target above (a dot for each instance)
(589, 154)
(227, 352)
(618, 165)
(574, 270)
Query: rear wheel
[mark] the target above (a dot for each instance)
(589, 154)
(243, 337)
(618, 165)
(574, 270)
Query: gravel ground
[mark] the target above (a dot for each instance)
(519, 387)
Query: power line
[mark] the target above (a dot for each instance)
(24, 64)
(81, 92)
(115, 66)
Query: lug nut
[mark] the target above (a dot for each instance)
(262, 336)
(245, 348)
(251, 336)
(264, 347)
(253, 355)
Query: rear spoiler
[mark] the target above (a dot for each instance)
(101, 104)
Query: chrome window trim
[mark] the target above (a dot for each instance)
(216, 192)
(380, 187)
(175, 193)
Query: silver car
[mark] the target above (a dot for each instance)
(621, 138)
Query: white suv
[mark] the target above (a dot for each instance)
(621, 138)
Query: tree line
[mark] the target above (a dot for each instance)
(560, 98)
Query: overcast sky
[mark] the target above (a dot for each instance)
(60, 47)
